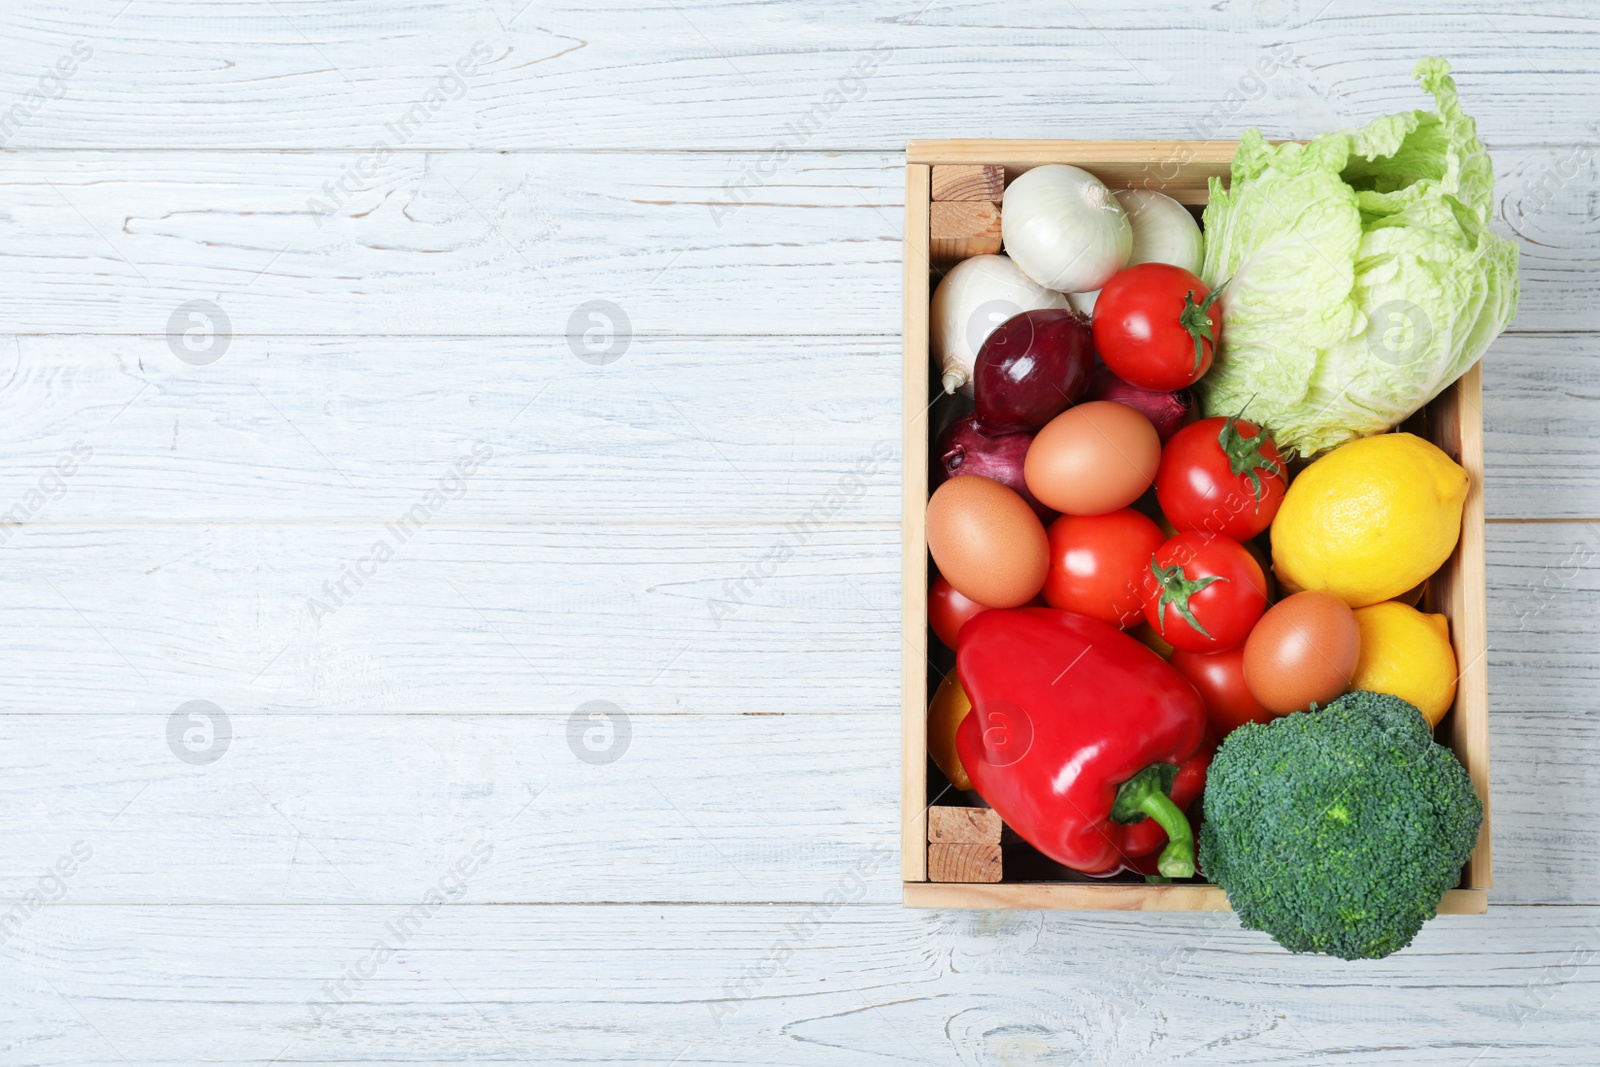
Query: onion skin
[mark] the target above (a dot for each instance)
(1167, 412)
(1064, 229)
(974, 299)
(964, 448)
(1034, 367)
(1163, 230)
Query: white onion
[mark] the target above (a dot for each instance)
(971, 302)
(1064, 228)
(1163, 230)
(1083, 303)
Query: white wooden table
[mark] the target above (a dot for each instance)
(366, 500)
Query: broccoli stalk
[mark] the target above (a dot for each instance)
(1338, 830)
(1146, 794)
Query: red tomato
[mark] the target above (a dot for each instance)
(1206, 592)
(1099, 565)
(948, 610)
(1154, 326)
(1221, 475)
(1219, 676)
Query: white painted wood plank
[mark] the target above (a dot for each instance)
(1543, 768)
(307, 809)
(783, 985)
(456, 243)
(749, 429)
(516, 244)
(118, 613)
(700, 430)
(357, 808)
(1541, 426)
(115, 627)
(1544, 616)
(297, 73)
(658, 619)
(520, 618)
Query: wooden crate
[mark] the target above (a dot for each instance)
(1454, 421)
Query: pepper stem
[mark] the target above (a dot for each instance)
(1145, 794)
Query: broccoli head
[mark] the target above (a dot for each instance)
(1338, 830)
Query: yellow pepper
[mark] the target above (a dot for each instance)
(945, 712)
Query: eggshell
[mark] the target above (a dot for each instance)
(1303, 650)
(987, 541)
(1093, 459)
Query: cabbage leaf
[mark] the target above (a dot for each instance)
(1362, 278)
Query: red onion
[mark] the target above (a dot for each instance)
(1168, 412)
(1031, 369)
(964, 448)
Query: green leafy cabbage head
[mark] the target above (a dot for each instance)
(1362, 276)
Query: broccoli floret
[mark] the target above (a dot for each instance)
(1338, 830)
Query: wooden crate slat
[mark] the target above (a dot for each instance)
(967, 862)
(1088, 896)
(1459, 592)
(969, 181)
(914, 553)
(971, 826)
(962, 229)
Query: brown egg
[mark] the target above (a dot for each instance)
(1093, 459)
(987, 541)
(1303, 649)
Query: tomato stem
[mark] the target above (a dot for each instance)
(1196, 319)
(1245, 456)
(1176, 589)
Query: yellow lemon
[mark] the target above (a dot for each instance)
(1370, 520)
(1406, 654)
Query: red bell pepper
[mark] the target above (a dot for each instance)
(1077, 736)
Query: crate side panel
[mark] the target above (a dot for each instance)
(914, 563)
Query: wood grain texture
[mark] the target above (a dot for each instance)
(1458, 591)
(745, 429)
(969, 181)
(964, 862)
(308, 809)
(333, 715)
(476, 618)
(1120, 897)
(515, 243)
(685, 163)
(912, 678)
(518, 618)
(1541, 426)
(1544, 616)
(1182, 169)
(347, 807)
(961, 229)
(786, 984)
(963, 826)
(567, 75)
(751, 429)
(456, 243)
